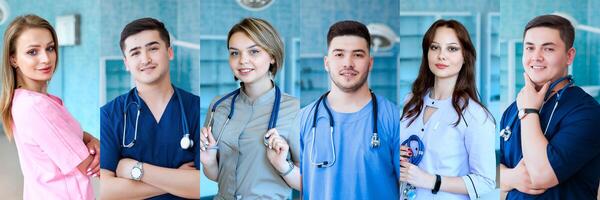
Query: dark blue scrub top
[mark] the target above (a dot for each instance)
(157, 143)
(573, 149)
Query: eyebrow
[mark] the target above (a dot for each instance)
(544, 44)
(355, 50)
(37, 45)
(251, 46)
(454, 43)
(146, 45)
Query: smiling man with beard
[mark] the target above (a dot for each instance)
(349, 136)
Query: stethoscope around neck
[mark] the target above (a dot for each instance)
(323, 99)
(185, 142)
(234, 95)
(506, 132)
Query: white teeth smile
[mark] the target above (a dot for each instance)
(246, 70)
(145, 68)
(348, 73)
(538, 67)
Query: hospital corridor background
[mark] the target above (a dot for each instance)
(91, 70)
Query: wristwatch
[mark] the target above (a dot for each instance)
(137, 171)
(524, 111)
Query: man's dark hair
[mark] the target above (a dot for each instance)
(564, 27)
(144, 24)
(350, 28)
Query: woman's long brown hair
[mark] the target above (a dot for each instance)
(464, 89)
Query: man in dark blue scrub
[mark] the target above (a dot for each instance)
(550, 143)
(148, 134)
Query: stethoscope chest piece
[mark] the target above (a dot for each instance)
(186, 142)
(505, 133)
(375, 140)
(408, 190)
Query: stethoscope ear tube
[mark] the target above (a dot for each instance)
(185, 142)
(375, 141)
(137, 117)
(234, 95)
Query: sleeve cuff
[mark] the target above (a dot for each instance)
(477, 185)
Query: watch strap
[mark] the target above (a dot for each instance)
(438, 183)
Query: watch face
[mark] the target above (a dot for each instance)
(136, 172)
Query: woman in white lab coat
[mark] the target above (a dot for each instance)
(444, 111)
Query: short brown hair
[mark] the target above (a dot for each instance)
(144, 24)
(349, 27)
(564, 27)
(265, 36)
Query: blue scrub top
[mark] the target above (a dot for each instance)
(360, 172)
(157, 143)
(573, 149)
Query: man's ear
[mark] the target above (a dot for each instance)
(171, 53)
(370, 63)
(570, 56)
(125, 63)
(326, 63)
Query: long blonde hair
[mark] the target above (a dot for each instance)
(9, 73)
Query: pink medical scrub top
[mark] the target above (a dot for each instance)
(50, 146)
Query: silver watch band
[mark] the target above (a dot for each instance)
(140, 166)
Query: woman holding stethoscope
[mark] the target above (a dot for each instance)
(447, 135)
(249, 132)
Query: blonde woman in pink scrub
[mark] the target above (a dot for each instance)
(57, 157)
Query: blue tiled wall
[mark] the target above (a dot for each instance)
(318, 15)
(449, 6)
(594, 47)
(76, 63)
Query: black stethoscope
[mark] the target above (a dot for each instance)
(323, 98)
(505, 133)
(235, 93)
(185, 141)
